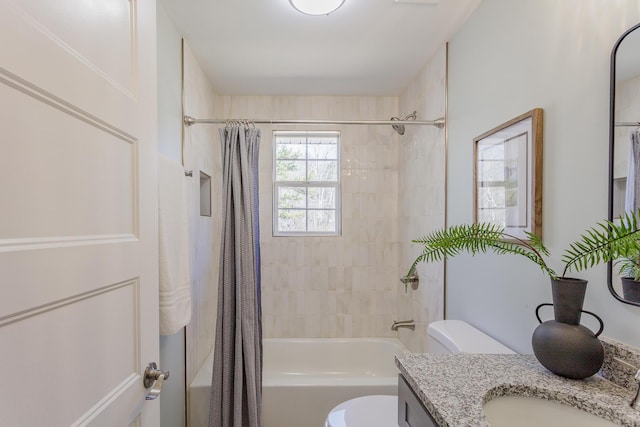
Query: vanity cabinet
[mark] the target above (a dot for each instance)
(411, 412)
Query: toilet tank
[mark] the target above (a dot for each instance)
(457, 336)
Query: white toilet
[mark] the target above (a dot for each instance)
(444, 337)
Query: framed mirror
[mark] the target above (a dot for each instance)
(508, 175)
(624, 142)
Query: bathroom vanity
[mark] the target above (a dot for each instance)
(452, 390)
(411, 411)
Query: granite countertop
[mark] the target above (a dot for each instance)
(454, 388)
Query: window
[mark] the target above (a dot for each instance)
(306, 183)
(500, 181)
(494, 185)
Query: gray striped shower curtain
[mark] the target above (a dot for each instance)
(236, 389)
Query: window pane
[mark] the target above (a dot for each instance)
(291, 170)
(327, 139)
(290, 151)
(491, 170)
(292, 139)
(292, 197)
(323, 170)
(324, 221)
(291, 220)
(323, 151)
(494, 216)
(491, 197)
(322, 198)
(491, 151)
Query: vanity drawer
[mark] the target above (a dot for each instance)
(411, 412)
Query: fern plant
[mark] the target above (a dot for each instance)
(605, 242)
(480, 238)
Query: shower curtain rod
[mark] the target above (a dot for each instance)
(627, 124)
(439, 122)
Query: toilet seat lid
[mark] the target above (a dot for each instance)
(366, 411)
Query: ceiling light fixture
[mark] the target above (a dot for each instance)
(316, 7)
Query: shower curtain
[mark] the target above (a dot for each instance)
(236, 389)
(632, 196)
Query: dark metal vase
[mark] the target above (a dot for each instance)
(563, 346)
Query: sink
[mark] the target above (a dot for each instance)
(521, 411)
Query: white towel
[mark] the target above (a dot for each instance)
(173, 242)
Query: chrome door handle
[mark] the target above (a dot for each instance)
(154, 378)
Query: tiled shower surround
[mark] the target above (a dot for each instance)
(422, 188)
(334, 286)
(201, 153)
(348, 285)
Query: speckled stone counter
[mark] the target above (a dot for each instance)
(454, 388)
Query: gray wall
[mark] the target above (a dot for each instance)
(510, 57)
(184, 352)
(169, 87)
(172, 400)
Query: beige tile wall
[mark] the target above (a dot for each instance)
(201, 153)
(421, 198)
(392, 191)
(344, 286)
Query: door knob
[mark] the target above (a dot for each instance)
(154, 377)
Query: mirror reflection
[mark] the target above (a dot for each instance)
(624, 191)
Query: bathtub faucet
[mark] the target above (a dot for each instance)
(403, 324)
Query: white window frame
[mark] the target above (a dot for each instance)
(307, 184)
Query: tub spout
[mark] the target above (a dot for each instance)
(410, 324)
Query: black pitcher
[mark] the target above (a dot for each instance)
(563, 346)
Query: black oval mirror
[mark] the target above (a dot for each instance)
(624, 146)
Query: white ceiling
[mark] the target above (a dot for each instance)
(265, 47)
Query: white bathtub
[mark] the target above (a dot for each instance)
(199, 394)
(303, 379)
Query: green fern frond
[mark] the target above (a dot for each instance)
(605, 242)
(479, 238)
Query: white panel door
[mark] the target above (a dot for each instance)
(78, 212)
